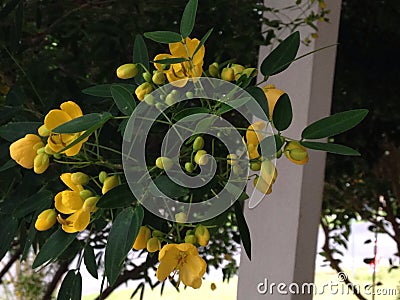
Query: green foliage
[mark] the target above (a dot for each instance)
(283, 115)
(71, 287)
(118, 197)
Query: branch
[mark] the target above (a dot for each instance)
(56, 278)
(9, 264)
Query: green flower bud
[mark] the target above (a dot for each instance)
(191, 239)
(189, 95)
(153, 245)
(189, 167)
(164, 163)
(147, 77)
(170, 99)
(40, 150)
(80, 178)
(90, 204)
(159, 106)
(198, 143)
(127, 71)
(181, 218)
(41, 163)
(237, 170)
(213, 69)
(102, 176)
(43, 131)
(201, 158)
(255, 165)
(158, 77)
(85, 194)
(149, 99)
(157, 233)
(48, 150)
(228, 74)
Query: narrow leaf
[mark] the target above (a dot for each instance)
(243, 229)
(123, 99)
(270, 145)
(188, 18)
(140, 56)
(120, 196)
(203, 40)
(331, 148)
(82, 123)
(283, 115)
(120, 240)
(165, 37)
(170, 61)
(71, 287)
(104, 90)
(8, 228)
(14, 131)
(334, 124)
(169, 187)
(190, 111)
(55, 245)
(8, 165)
(90, 261)
(281, 57)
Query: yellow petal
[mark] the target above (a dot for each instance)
(58, 203)
(80, 220)
(160, 57)
(192, 271)
(177, 50)
(168, 263)
(55, 118)
(71, 200)
(23, 150)
(142, 238)
(72, 109)
(189, 248)
(66, 178)
(74, 150)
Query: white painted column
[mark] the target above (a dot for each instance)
(284, 226)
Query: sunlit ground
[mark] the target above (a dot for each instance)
(325, 280)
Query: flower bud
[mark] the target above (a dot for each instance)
(202, 235)
(159, 106)
(198, 143)
(147, 77)
(102, 176)
(43, 131)
(255, 165)
(153, 245)
(296, 153)
(189, 167)
(158, 77)
(48, 150)
(268, 172)
(213, 69)
(84, 194)
(237, 70)
(201, 158)
(189, 95)
(46, 220)
(127, 71)
(237, 169)
(23, 151)
(149, 99)
(142, 90)
(262, 186)
(142, 238)
(40, 150)
(232, 159)
(191, 238)
(228, 74)
(181, 218)
(110, 183)
(164, 163)
(250, 72)
(90, 204)
(157, 233)
(41, 163)
(80, 178)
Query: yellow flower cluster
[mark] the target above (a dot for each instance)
(30, 151)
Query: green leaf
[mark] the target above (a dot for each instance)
(331, 148)
(232, 104)
(55, 245)
(8, 229)
(8, 165)
(282, 56)
(123, 99)
(188, 18)
(120, 240)
(259, 95)
(270, 145)
(82, 123)
(140, 56)
(104, 90)
(283, 115)
(106, 117)
(43, 198)
(243, 229)
(190, 111)
(169, 187)
(14, 131)
(120, 196)
(90, 261)
(71, 287)
(170, 61)
(202, 41)
(334, 124)
(165, 37)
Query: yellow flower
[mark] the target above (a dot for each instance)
(110, 183)
(272, 95)
(296, 153)
(23, 151)
(70, 202)
(127, 71)
(56, 141)
(183, 258)
(187, 69)
(142, 90)
(254, 137)
(142, 238)
(46, 220)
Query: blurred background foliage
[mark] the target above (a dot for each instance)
(51, 50)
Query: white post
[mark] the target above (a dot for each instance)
(284, 226)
